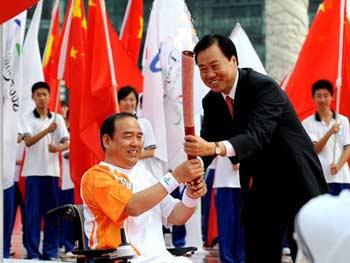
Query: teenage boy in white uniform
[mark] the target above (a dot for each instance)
(325, 129)
(45, 136)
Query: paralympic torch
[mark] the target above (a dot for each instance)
(187, 93)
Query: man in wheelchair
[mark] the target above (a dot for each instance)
(120, 189)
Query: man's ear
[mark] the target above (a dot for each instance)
(106, 140)
(233, 58)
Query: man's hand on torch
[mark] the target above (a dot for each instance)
(197, 146)
(188, 171)
(197, 190)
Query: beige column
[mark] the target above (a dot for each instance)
(286, 23)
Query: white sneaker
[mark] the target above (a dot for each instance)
(286, 251)
(286, 259)
(68, 255)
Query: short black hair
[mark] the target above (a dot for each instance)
(64, 103)
(40, 85)
(124, 91)
(225, 44)
(322, 84)
(108, 125)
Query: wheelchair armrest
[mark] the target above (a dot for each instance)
(92, 253)
(181, 251)
(66, 211)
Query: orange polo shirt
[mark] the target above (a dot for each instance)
(105, 193)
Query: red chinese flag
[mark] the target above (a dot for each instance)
(10, 9)
(81, 158)
(345, 89)
(100, 93)
(50, 59)
(132, 29)
(126, 71)
(318, 59)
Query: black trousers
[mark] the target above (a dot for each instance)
(265, 223)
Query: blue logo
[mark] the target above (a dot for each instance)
(153, 66)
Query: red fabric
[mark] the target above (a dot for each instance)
(133, 29)
(318, 59)
(99, 95)
(22, 180)
(229, 103)
(51, 60)
(127, 72)
(81, 158)
(10, 9)
(212, 221)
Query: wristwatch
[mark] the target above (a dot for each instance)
(217, 148)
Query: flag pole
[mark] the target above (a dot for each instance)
(54, 10)
(126, 15)
(1, 151)
(46, 56)
(62, 58)
(63, 51)
(340, 64)
(109, 54)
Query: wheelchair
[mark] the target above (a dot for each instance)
(122, 254)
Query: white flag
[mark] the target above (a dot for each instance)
(13, 34)
(247, 57)
(32, 67)
(170, 31)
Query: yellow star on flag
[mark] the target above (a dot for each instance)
(322, 7)
(139, 35)
(73, 53)
(49, 49)
(92, 3)
(77, 9)
(84, 24)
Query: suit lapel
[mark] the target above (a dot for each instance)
(240, 89)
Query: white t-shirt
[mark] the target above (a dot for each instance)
(39, 161)
(19, 156)
(316, 130)
(149, 142)
(67, 182)
(156, 166)
(145, 232)
(225, 175)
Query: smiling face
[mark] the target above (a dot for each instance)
(128, 104)
(323, 99)
(125, 147)
(217, 71)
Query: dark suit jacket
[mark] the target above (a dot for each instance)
(270, 143)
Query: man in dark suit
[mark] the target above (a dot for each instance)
(279, 170)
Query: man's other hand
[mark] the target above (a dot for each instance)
(188, 171)
(197, 190)
(52, 127)
(53, 148)
(334, 169)
(197, 146)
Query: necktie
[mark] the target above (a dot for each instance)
(229, 103)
